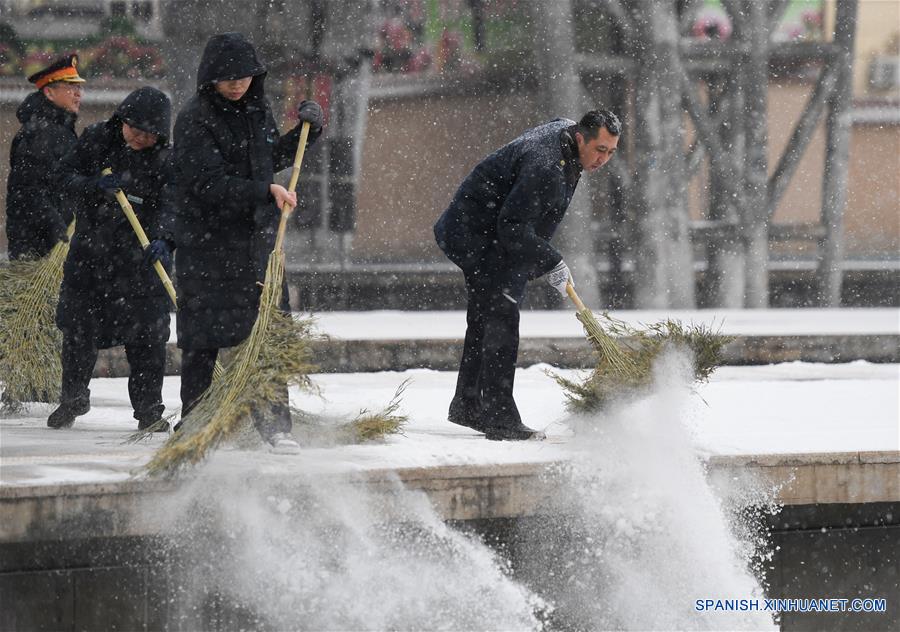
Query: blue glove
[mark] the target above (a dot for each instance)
(312, 112)
(109, 184)
(158, 250)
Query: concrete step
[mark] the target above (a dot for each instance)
(33, 513)
(352, 356)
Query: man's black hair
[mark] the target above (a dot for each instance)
(593, 120)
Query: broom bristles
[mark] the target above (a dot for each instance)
(608, 350)
(30, 343)
(275, 353)
(630, 367)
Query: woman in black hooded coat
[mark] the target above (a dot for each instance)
(227, 151)
(110, 293)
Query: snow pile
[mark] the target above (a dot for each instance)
(638, 535)
(301, 555)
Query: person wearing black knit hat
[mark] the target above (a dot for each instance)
(110, 293)
(36, 216)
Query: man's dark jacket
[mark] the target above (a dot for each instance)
(108, 291)
(511, 203)
(226, 155)
(35, 212)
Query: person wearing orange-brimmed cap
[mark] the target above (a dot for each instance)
(36, 218)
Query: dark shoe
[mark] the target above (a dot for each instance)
(64, 416)
(466, 412)
(151, 419)
(513, 432)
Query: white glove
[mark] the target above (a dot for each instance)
(559, 276)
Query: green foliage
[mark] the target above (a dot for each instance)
(122, 55)
(641, 347)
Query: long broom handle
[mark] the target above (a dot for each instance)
(295, 176)
(142, 237)
(570, 290)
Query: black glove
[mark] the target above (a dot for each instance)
(312, 112)
(109, 184)
(158, 250)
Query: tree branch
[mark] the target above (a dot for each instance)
(720, 160)
(800, 137)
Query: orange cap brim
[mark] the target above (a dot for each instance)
(68, 75)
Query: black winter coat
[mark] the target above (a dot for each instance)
(108, 292)
(511, 203)
(226, 156)
(35, 212)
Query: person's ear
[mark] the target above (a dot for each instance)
(579, 138)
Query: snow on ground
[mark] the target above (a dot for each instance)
(398, 325)
(777, 409)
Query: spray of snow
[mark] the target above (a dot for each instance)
(638, 534)
(303, 555)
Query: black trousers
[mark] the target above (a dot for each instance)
(487, 370)
(197, 366)
(146, 361)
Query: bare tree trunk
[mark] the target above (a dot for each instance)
(346, 26)
(726, 248)
(679, 269)
(837, 158)
(664, 275)
(564, 96)
(755, 206)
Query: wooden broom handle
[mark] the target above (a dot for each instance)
(142, 237)
(292, 186)
(570, 290)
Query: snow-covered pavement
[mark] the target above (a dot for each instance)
(777, 409)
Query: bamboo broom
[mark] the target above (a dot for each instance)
(611, 354)
(122, 199)
(248, 382)
(622, 369)
(30, 343)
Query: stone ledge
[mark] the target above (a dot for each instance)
(458, 492)
(353, 356)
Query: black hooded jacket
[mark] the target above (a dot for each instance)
(226, 155)
(512, 202)
(108, 292)
(35, 212)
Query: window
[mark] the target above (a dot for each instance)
(142, 11)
